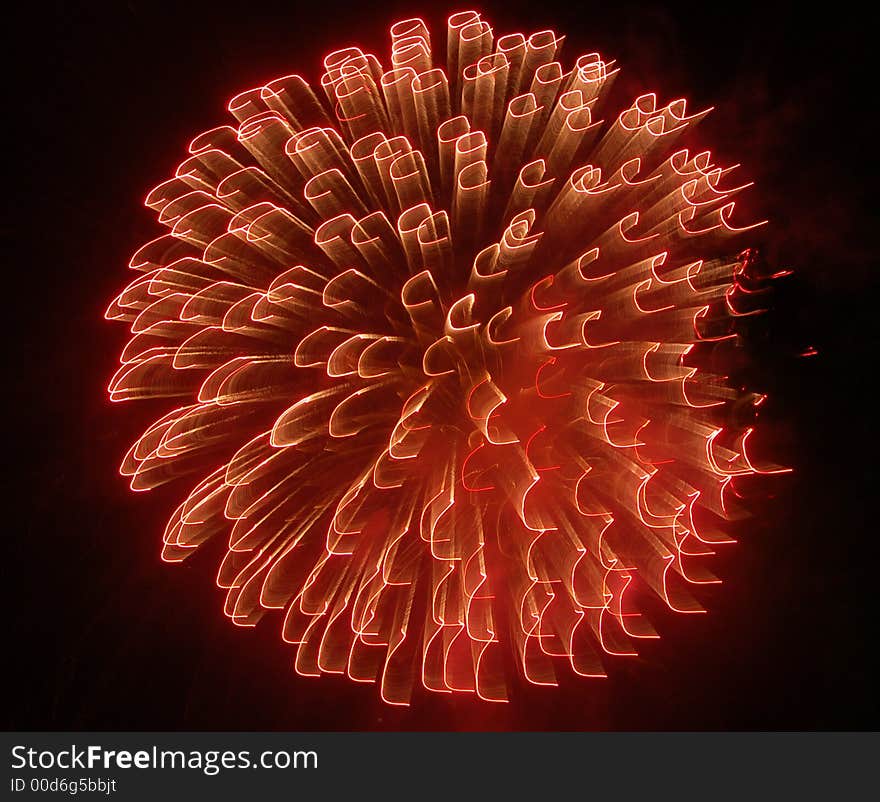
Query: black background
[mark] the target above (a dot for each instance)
(101, 635)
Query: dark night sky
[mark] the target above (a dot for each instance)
(105, 636)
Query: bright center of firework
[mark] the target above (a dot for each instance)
(439, 343)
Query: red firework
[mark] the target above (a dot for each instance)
(439, 340)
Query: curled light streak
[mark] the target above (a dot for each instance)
(437, 339)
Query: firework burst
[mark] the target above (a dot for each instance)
(441, 345)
